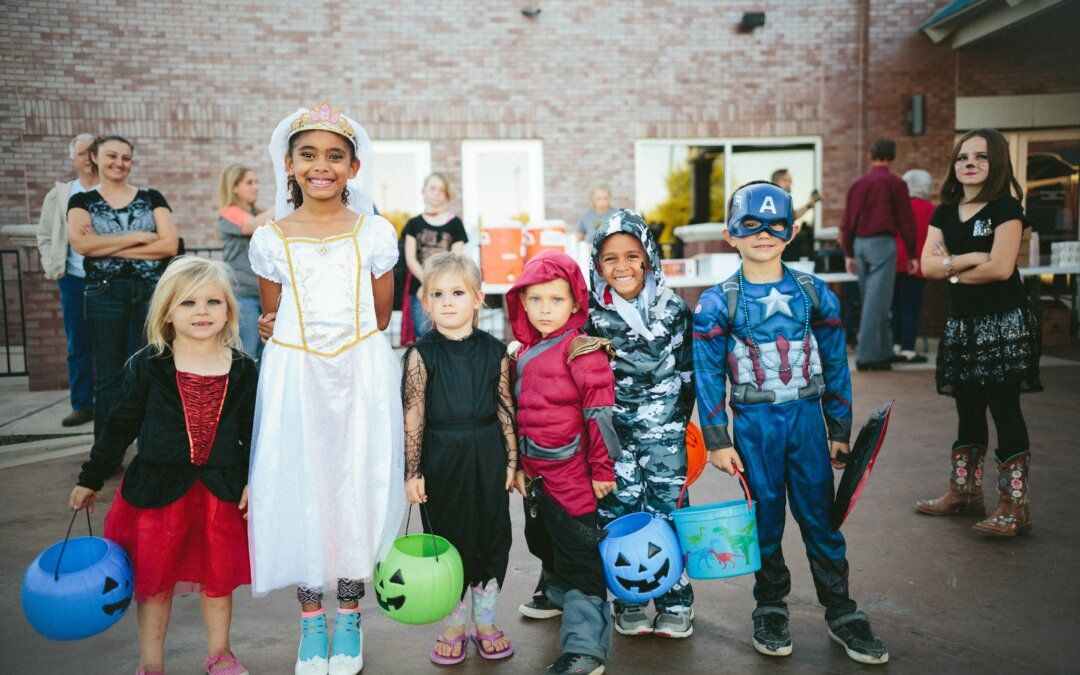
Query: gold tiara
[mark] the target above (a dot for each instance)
(324, 118)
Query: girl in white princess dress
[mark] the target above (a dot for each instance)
(326, 485)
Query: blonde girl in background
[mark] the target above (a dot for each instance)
(238, 218)
(598, 212)
(434, 231)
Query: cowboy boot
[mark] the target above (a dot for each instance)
(1012, 514)
(965, 495)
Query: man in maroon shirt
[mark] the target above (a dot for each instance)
(878, 209)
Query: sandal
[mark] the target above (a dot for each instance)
(450, 642)
(234, 669)
(480, 638)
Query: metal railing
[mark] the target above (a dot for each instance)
(13, 356)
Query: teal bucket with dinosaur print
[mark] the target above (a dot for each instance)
(719, 540)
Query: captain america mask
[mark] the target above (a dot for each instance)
(761, 207)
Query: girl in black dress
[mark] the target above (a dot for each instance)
(990, 350)
(461, 451)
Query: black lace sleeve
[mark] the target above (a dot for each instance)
(507, 414)
(413, 393)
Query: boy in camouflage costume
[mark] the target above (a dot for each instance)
(650, 328)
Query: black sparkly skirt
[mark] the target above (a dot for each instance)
(999, 348)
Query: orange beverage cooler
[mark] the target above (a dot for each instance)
(500, 253)
(551, 234)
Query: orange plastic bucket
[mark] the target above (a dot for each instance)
(500, 253)
(551, 234)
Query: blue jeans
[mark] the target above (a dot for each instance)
(906, 308)
(421, 321)
(80, 358)
(116, 316)
(250, 309)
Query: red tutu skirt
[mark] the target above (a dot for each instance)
(197, 543)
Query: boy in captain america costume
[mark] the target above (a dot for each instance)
(776, 335)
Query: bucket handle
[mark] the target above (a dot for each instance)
(59, 558)
(746, 489)
(424, 516)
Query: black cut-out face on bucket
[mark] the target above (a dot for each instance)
(394, 584)
(116, 594)
(646, 575)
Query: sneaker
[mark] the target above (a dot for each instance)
(632, 620)
(854, 632)
(539, 608)
(314, 646)
(772, 635)
(346, 656)
(578, 664)
(77, 418)
(234, 667)
(674, 624)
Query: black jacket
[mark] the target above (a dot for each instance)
(149, 407)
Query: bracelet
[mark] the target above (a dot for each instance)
(950, 271)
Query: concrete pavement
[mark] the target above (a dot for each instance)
(944, 598)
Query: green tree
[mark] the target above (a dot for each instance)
(675, 211)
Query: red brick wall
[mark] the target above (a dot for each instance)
(198, 85)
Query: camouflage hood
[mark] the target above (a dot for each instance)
(653, 362)
(625, 221)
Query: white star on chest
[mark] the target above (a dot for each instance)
(775, 302)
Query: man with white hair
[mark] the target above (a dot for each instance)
(59, 261)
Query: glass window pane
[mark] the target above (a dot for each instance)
(1053, 170)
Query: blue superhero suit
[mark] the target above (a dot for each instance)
(781, 346)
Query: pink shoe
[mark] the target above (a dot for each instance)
(144, 671)
(235, 669)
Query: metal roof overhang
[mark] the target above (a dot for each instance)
(965, 22)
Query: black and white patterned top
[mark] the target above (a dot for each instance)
(137, 216)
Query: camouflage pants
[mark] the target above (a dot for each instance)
(649, 473)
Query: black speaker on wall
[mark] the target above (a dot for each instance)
(917, 115)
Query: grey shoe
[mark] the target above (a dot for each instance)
(539, 608)
(674, 624)
(772, 636)
(861, 644)
(632, 620)
(576, 664)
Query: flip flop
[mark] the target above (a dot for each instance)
(451, 642)
(479, 638)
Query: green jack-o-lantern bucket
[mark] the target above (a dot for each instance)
(421, 579)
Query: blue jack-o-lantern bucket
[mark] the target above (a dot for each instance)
(641, 555)
(719, 540)
(77, 588)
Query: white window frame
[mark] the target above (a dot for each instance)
(728, 144)
(470, 184)
(421, 150)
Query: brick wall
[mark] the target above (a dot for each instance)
(197, 85)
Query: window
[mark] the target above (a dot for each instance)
(669, 173)
(400, 169)
(501, 181)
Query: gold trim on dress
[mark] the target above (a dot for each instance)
(296, 293)
(327, 354)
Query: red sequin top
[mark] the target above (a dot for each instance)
(202, 397)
